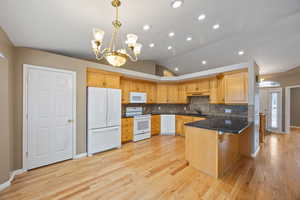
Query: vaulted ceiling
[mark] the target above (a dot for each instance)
(268, 31)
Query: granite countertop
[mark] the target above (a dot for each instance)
(233, 125)
(184, 114)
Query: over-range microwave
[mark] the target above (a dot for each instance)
(138, 97)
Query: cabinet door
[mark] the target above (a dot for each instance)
(236, 88)
(95, 79)
(151, 93)
(172, 91)
(111, 81)
(155, 124)
(182, 97)
(127, 129)
(179, 125)
(191, 86)
(202, 85)
(125, 87)
(162, 93)
(213, 98)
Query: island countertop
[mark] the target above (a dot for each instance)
(233, 125)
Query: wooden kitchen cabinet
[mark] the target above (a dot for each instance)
(172, 93)
(151, 93)
(127, 130)
(125, 85)
(162, 93)
(217, 95)
(182, 96)
(155, 125)
(181, 120)
(236, 88)
(197, 86)
(102, 79)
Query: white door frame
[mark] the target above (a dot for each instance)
(280, 108)
(26, 68)
(288, 107)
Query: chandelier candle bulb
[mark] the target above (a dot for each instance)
(137, 48)
(131, 39)
(98, 34)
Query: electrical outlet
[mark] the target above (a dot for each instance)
(184, 107)
(158, 107)
(228, 110)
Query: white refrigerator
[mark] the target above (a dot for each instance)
(104, 119)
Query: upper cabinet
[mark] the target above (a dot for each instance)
(227, 88)
(162, 93)
(217, 93)
(198, 86)
(236, 88)
(102, 79)
(132, 85)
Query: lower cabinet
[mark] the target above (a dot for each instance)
(181, 120)
(127, 130)
(155, 125)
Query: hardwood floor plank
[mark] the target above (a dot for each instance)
(156, 169)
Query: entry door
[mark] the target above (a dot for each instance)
(271, 105)
(50, 116)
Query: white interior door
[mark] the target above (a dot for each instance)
(113, 107)
(50, 101)
(271, 105)
(97, 108)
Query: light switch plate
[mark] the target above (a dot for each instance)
(2, 55)
(227, 110)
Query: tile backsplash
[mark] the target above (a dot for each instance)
(196, 104)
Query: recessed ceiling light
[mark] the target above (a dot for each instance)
(189, 39)
(176, 3)
(170, 47)
(171, 34)
(176, 69)
(216, 26)
(146, 27)
(201, 17)
(204, 62)
(241, 52)
(151, 45)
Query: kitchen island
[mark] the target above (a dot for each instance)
(215, 144)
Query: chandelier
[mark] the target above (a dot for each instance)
(116, 54)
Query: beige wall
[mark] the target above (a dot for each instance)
(295, 105)
(285, 79)
(6, 107)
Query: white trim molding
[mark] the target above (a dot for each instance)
(26, 68)
(79, 156)
(11, 178)
(253, 155)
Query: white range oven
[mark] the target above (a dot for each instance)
(141, 123)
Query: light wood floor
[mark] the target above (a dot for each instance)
(155, 169)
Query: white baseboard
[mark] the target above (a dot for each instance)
(11, 178)
(294, 126)
(78, 156)
(253, 155)
(4, 185)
